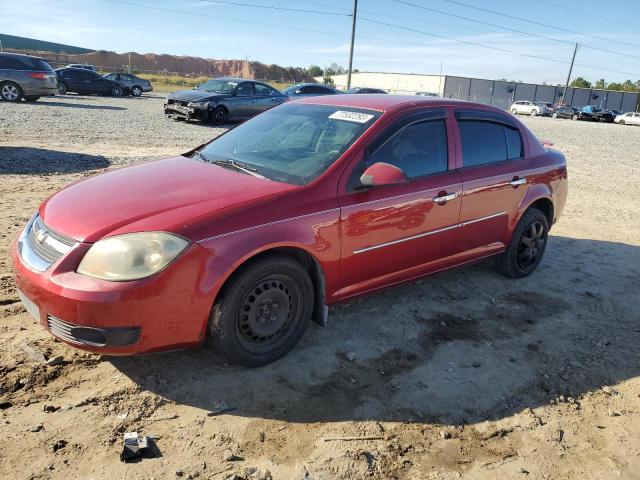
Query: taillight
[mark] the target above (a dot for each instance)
(38, 75)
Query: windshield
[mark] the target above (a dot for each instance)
(292, 143)
(218, 86)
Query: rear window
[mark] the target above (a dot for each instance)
(486, 142)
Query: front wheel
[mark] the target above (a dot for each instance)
(219, 116)
(514, 111)
(117, 92)
(575, 117)
(621, 122)
(555, 115)
(136, 91)
(534, 112)
(262, 312)
(529, 241)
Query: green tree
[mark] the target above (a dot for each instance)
(315, 71)
(327, 80)
(615, 86)
(580, 83)
(628, 86)
(601, 84)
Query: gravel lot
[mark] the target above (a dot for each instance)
(462, 375)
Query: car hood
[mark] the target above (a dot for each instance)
(196, 95)
(172, 195)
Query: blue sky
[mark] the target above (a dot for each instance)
(223, 31)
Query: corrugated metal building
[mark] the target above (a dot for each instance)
(492, 92)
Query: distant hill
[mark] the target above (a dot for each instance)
(23, 43)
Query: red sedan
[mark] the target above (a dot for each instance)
(249, 237)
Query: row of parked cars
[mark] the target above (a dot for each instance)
(589, 113)
(29, 78)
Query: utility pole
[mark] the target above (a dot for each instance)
(564, 92)
(353, 37)
(129, 68)
(0, 46)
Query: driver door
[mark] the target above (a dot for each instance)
(397, 232)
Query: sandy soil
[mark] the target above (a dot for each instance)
(461, 375)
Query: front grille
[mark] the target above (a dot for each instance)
(29, 306)
(41, 246)
(93, 336)
(62, 329)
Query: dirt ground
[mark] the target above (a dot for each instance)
(465, 374)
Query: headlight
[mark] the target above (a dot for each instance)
(131, 256)
(198, 104)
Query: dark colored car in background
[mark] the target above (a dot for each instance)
(364, 90)
(24, 76)
(84, 81)
(249, 238)
(223, 99)
(132, 84)
(309, 90)
(597, 114)
(564, 112)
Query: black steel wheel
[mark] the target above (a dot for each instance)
(219, 116)
(262, 312)
(527, 246)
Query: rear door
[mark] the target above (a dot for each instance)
(493, 171)
(397, 232)
(266, 97)
(243, 102)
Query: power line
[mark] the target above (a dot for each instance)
(513, 17)
(272, 7)
(566, 42)
(489, 47)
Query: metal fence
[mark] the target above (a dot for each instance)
(502, 94)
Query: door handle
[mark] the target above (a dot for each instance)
(441, 199)
(516, 182)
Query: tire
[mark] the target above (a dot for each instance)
(262, 312)
(219, 116)
(575, 117)
(117, 91)
(527, 246)
(621, 122)
(62, 88)
(534, 112)
(555, 115)
(10, 92)
(31, 99)
(514, 111)
(136, 91)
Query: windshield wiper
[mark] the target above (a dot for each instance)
(238, 166)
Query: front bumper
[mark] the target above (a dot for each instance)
(174, 110)
(166, 311)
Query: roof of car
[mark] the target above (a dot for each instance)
(383, 102)
(7, 54)
(233, 79)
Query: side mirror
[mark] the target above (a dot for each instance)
(381, 173)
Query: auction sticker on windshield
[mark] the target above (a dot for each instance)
(356, 117)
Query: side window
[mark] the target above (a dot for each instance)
(111, 76)
(486, 142)
(244, 90)
(419, 149)
(262, 90)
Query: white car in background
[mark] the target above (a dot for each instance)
(528, 108)
(629, 118)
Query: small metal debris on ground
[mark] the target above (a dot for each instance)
(134, 446)
(60, 444)
(445, 435)
(36, 428)
(352, 439)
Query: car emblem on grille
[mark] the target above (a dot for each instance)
(41, 236)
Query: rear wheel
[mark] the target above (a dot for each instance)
(527, 246)
(262, 312)
(555, 115)
(575, 117)
(10, 92)
(136, 91)
(62, 88)
(31, 99)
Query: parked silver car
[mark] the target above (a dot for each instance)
(24, 76)
(131, 83)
